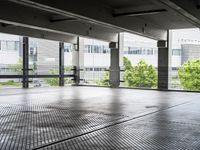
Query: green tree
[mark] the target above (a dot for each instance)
(189, 75)
(141, 75)
(68, 70)
(55, 81)
(127, 64)
(105, 80)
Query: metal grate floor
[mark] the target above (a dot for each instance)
(28, 127)
(110, 119)
(154, 132)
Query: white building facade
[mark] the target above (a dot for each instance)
(44, 54)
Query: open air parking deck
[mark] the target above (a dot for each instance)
(74, 63)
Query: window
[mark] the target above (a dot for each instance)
(176, 52)
(69, 47)
(150, 52)
(9, 45)
(96, 49)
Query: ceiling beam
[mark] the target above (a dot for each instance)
(59, 18)
(28, 17)
(140, 13)
(93, 12)
(21, 31)
(198, 4)
(187, 8)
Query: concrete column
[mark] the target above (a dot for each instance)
(114, 65)
(25, 68)
(61, 64)
(163, 64)
(78, 59)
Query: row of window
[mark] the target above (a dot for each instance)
(188, 41)
(97, 49)
(95, 69)
(140, 51)
(14, 46)
(68, 47)
(9, 45)
(7, 70)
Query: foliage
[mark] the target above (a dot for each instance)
(10, 83)
(68, 80)
(127, 64)
(105, 80)
(55, 81)
(52, 81)
(189, 75)
(141, 75)
(18, 66)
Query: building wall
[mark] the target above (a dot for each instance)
(190, 51)
(97, 53)
(47, 55)
(10, 53)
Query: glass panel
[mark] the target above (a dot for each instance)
(96, 62)
(10, 83)
(68, 56)
(10, 54)
(140, 56)
(43, 60)
(184, 71)
(43, 56)
(44, 82)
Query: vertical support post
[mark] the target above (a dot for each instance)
(25, 69)
(121, 49)
(114, 78)
(170, 74)
(163, 64)
(78, 59)
(61, 64)
(121, 54)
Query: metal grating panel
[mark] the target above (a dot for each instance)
(145, 134)
(73, 119)
(30, 126)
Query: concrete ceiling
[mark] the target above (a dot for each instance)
(101, 19)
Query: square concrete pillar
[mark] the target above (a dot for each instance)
(163, 64)
(61, 64)
(114, 78)
(25, 68)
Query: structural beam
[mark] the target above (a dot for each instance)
(140, 13)
(95, 13)
(187, 8)
(59, 18)
(22, 31)
(198, 4)
(11, 13)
